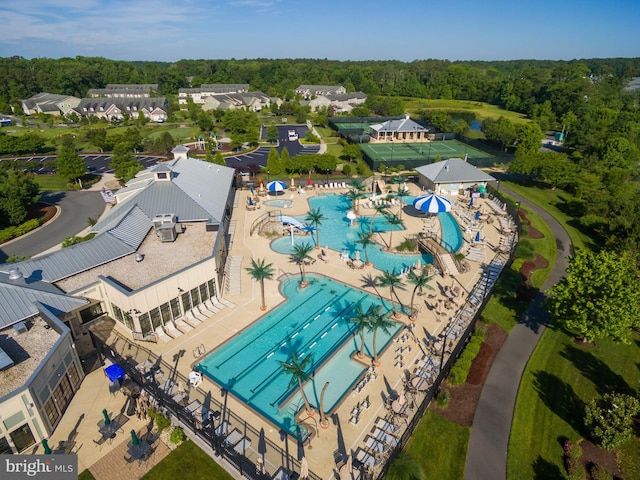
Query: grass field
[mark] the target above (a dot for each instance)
(555, 202)
(480, 109)
(51, 182)
(440, 446)
(560, 379)
(187, 462)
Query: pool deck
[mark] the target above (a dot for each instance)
(341, 434)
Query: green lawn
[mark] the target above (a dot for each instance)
(555, 202)
(51, 182)
(440, 446)
(560, 379)
(187, 462)
(482, 110)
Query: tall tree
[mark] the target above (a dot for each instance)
(124, 163)
(393, 281)
(261, 271)
(272, 133)
(419, 281)
(316, 217)
(300, 256)
(362, 321)
(366, 240)
(17, 192)
(405, 467)
(599, 297)
(394, 221)
(298, 368)
(69, 164)
(379, 320)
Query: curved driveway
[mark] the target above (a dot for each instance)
(75, 208)
(489, 441)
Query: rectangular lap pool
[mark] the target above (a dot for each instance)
(312, 321)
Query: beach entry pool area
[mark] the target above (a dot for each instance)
(336, 233)
(278, 203)
(312, 321)
(451, 234)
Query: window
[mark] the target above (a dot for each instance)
(5, 448)
(156, 321)
(195, 297)
(175, 308)
(186, 301)
(165, 311)
(51, 411)
(212, 288)
(204, 295)
(22, 437)
(145, 323)
(73, 375)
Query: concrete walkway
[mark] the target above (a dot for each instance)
(489, 442)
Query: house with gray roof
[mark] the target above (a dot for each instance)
(163, 244)
(115, 108)
(309, 91)
(401, 130)
(198, 95)
(124, 90)
(451, 177)
(40, 370)
(50, 104)
(340, 102)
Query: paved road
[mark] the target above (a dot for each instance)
(489, 442)
(75, 207)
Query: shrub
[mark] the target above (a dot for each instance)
(599, 473)
(460, 370)
(177, 435)
(162, 422)
(610, 418)
(18, 230)
(346, 169)
(407, 245)
(442, 398)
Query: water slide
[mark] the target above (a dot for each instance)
(291, 221)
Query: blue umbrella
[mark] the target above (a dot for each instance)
(471, 202)
(478, 239)
(276, 186)
(251, 190)
(432, 203)
(251, 201)
(477, 214)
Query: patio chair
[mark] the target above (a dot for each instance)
(199, 315)
(227, 303)
(162, 335)
(183, 326)
(171, 330)
(190, 318)
(208, 304)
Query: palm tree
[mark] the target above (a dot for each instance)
(260, 271)
(362, 321)
(379, 320)
(393, 281)
(405, 467)
(402, 192)
(365, 239)
(377, 209)
(393, 220)
(299, 256)
(354, 195)
(420, 281)
(298, 370)
(315, 216)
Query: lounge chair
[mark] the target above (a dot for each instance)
(225, 302)
(374, 445)
(190, 318)
(242, 446)
(199, 315)
(162, 335)
(183, 326)
(204, 312)
(222, 429)
(212, 306)
(234, 437)
(171, 329)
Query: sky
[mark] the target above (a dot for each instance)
(406, 30)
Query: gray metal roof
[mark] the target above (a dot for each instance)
(402, 125)
(453, 170)
(18, 300)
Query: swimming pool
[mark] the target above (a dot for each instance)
(336, 233)
(312, 321)
(451, 234)
(278, 203)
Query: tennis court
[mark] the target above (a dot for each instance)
(345, 128)
(397, 152)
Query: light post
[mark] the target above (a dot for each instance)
(268, 172)
(498, 185)
(327, 175)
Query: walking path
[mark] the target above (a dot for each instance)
(489, 441)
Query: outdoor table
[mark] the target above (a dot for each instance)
(138, 451)
(398, 407)
(109, 431)
(349, 473)
(420, 383)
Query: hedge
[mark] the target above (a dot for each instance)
(9, 233)
(460, 369)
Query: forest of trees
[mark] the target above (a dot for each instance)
(585, 99)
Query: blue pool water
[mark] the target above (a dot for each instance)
(336, 233)
(312, 321)
(278, 203)
(451, 234)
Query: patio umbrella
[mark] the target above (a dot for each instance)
(250, 201)
(432, 203)
(304, 468)
(251, 190)
(135, 441)
(309, 181)
(45, 445)
(276, 186)
(293, 184)
(261, 186)
(105, 414)
(477, 215)
(471, 202)
(401, 398)
(477, 238)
